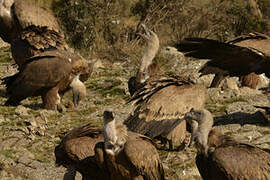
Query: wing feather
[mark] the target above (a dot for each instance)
(235, 59)
(143, 155)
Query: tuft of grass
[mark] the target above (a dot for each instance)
(9, 153)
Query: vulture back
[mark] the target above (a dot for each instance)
(161, 105)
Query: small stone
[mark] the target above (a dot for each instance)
(21, 110)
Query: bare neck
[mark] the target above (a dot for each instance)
(147, 59)
(202, 132)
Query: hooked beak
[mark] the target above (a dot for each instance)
(146, 32)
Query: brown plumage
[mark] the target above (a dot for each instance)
(138, 159)
(83, 149)
(47, 74)
(239, 57)
(76, 152)
(221, 157)
(29, 28)
(251, 80)
(161, 100)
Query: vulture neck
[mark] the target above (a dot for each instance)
(78, 90)
(110, 131)
(202, 132)
(148, 56)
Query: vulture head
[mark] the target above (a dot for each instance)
(114, 135)
(204, 119)
(147, 68)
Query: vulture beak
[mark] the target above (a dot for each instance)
(146, 34)
(189, 115)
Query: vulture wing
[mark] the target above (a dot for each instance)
(161, 105)
(77, 150)
(42, 71)
(39, 31)
(79, 143)
(235, 59)
(29, 13)
(142, 154)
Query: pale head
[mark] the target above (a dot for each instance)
(198, 115)
(150, 37)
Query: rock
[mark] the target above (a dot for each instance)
(21, 110)
(230, 83)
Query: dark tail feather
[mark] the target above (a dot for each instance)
(7, 81)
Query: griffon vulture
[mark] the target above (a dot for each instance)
(161, 101)
(240, 57)
(29, 28)
(130, 156)
(76, 153)
(49, 75)
(220, 157)
(85, 150)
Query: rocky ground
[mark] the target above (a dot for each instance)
(29, 134)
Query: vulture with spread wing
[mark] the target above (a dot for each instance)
(161, 101)
(220, 157)
(29, 28)
(243, 56)
(49, 75)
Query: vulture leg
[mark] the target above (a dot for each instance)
(14, 100)
(51, 100)
(170, 144)
(70, 174)
(217, 80)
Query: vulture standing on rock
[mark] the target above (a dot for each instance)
(76, 153)
(137, 158)
(220, 157)
(49, 75)
(243, 56)
(29, 28)
(161, 101)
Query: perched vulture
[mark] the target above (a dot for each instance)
(76, 153)
(137, 159)
(161, 101)
(49, 75)
(239, 57)
(220, 157)
(29, 28)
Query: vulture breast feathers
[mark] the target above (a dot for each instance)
(241, 56)
(34, 30)
(45, 75)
